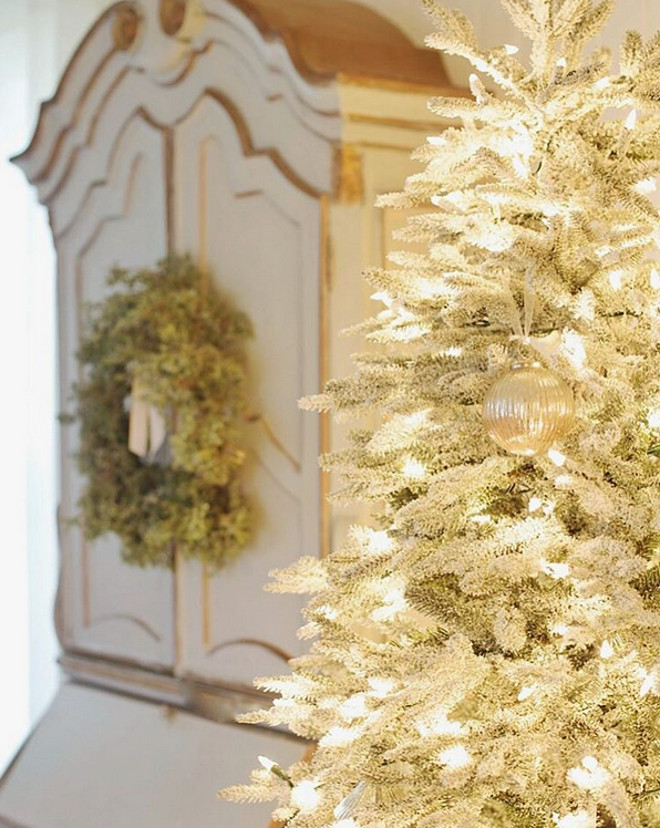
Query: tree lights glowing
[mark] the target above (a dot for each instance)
(488, 655)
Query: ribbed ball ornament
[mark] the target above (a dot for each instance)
(528, 408)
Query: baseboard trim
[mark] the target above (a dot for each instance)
(214, 701)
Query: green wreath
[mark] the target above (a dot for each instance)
(168, 329)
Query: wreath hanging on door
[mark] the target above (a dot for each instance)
(162, 394)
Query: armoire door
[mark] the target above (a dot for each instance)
(120, 219)
(251, 222)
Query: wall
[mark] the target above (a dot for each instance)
(36, 40)
(494, 27)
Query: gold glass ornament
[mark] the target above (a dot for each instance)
(528, 408)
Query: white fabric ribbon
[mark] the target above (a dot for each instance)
(547, 346)
(147, 429)
(521, 329)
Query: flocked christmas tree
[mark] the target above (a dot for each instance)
(488, 654)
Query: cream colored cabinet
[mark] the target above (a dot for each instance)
(254, 135)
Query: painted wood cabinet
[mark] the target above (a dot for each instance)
(254, 135)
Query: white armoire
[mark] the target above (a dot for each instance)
(255, 135)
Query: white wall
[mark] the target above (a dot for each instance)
(36, 40)
(494, 27)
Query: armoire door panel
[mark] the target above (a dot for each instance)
(258, 233)
(108, 607)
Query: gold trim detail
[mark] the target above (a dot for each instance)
(324, 370)
(125, 27)
(279, 652)
(326, 39)
(348, 183)
(171, 15)
(394, 85)
(274, 439)
(406, 123)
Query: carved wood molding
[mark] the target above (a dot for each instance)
(106, 59)
(171, 15)
(248, 145)
(218, 702)
(125, 26)
(68, 121)
(348, 183)
(327, 39)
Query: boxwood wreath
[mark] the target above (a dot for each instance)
(168, 329)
